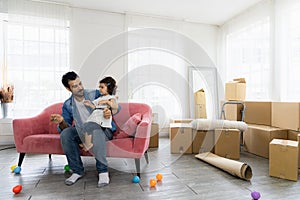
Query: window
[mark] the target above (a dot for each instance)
(248, 55)
(148, 68)
(291, 68)
(36, 54)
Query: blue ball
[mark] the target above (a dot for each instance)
(136, 179)
(17, 170)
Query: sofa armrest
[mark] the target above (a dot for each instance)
(142, 135)
(30, 126)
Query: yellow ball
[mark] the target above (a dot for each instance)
(159, 177)
(13, 167)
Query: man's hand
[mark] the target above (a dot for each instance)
(56, 118)
(106, 113)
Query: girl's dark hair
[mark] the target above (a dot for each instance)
(69, 76)
(110, 84)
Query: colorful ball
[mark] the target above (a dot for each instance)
(13, 167)
(17, 189)
(67, 168)
(17, 170)
(255, 195)
(159, 177)
(136, 179)
(152, 182)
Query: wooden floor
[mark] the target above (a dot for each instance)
(184, 177)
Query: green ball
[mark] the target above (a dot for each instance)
(67, 168)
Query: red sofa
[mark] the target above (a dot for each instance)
(40, 136)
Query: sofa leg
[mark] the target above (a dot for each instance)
(138, 167)
(21, 158)
(146, 156)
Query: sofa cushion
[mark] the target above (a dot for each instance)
(129, 127)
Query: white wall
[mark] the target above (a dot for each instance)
(202, 34)
(90, 29)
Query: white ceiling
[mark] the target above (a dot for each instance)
(214, 12)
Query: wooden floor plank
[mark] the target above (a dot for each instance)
(184, 177)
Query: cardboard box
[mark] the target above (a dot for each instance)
(154, 135)
(235, 90)
(298, 150)
(232, 111)
(295, 136)
(286, 115)
(257, 138)
(258, 112)
(292, 135)
(154, 117)
(181, 120)
(200, 111)
(203, 141)
(199, 97)
(227, 143)
(181, 138)
(283, 161)
(200, 104)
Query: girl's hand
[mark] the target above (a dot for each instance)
(88, 103)
(102, 102)
(106, 113)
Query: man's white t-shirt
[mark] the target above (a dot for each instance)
(83, 111)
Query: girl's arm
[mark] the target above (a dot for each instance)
(89, 104)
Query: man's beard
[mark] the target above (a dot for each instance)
(79, 93)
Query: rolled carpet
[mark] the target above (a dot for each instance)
(233, 167)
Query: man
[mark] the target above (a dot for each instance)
(74, 111)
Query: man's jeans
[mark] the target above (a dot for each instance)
(70, 141)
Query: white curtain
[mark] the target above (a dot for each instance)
(271, 31)
(157, 76)
(36, 53)
(153, 77)
(287, 49)
(158, 68)
(245, 49)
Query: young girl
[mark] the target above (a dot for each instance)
(107, 88)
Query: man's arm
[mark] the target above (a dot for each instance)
(65, 120)
(58, 119)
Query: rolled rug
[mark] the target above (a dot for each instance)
(211, 124)
(233, 167)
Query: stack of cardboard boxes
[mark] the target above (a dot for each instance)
(186, 140)
(273, 129)
(273, 132)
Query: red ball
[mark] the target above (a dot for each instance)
(17, 189)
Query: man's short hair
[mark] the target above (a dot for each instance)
(69, 76)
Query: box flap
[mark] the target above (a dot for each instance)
(284, 142)
(240, 80)
(180, 125)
